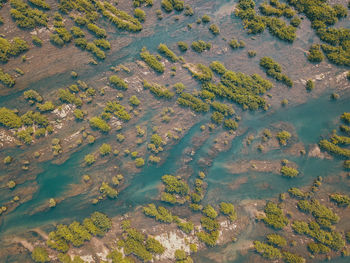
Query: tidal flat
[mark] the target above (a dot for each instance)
(174, 131)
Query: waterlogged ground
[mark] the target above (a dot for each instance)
(308, 116)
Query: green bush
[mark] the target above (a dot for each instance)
(78, 114)
(201, 72)
(292, 258)
(276, 240)
(317, 248)
(273, 69)
(37, 41)
(209, 239)
(32, 95)
(340, 200)
(283, 137)
(167, 5)
(228, 210)
(134, 101)
(159, 91)
(9, 118)
(187, 227)
(297, 193)
(118, 110)
(140, 14)
(39, 254)
(99, 32)
(210, 212)
(274, 216)
(108, 191)
(179, 87)
(332, 148)
(310, 85)
(225, 109)
(289, 171)
(318, 211)
(214, 29)
(7, 79)
(100, 124)
(100, 54)
(26, 17)
(45, 107)
(217, 117)
(175, 185)
(56, 40)
(160, 214)
(102, 43)
(206, 19)
(209, 224)
(163, 49)
(278, 28)
(13, 48)
(81, 42)
(241, 88)
(217, 67)
(40, 3)
(234, 44)
(105, 149)
(315, 54)
(200, 46)
(182, 46)
(118, 82)
(267, 251)
(152, 61)
(66, 96)
(139, 162)
(120, 18)
(345, 117)
(295, 21)
(230, 124)
(77, 32)
(196, 104)
(30, 118)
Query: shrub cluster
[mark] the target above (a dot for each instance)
(158, 90)
(273, 69)
(332, 239)
(152, 61)
(340, 200)
(12, 48)
(289, 171)
(118, 82)
(200, 46)
(9, 118)
(100, 124)
(66, 96)
(241, 88)
(118, 110)
(108, 191)
(6, 79)
(119, 18)
(228, 210)
(200, 72)
(196, 104)
(163, 49)
(170, 5)
(26, 17)
(267, 251)
(315, 54)
(136, 243)
(274, 216)
(97, 225)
